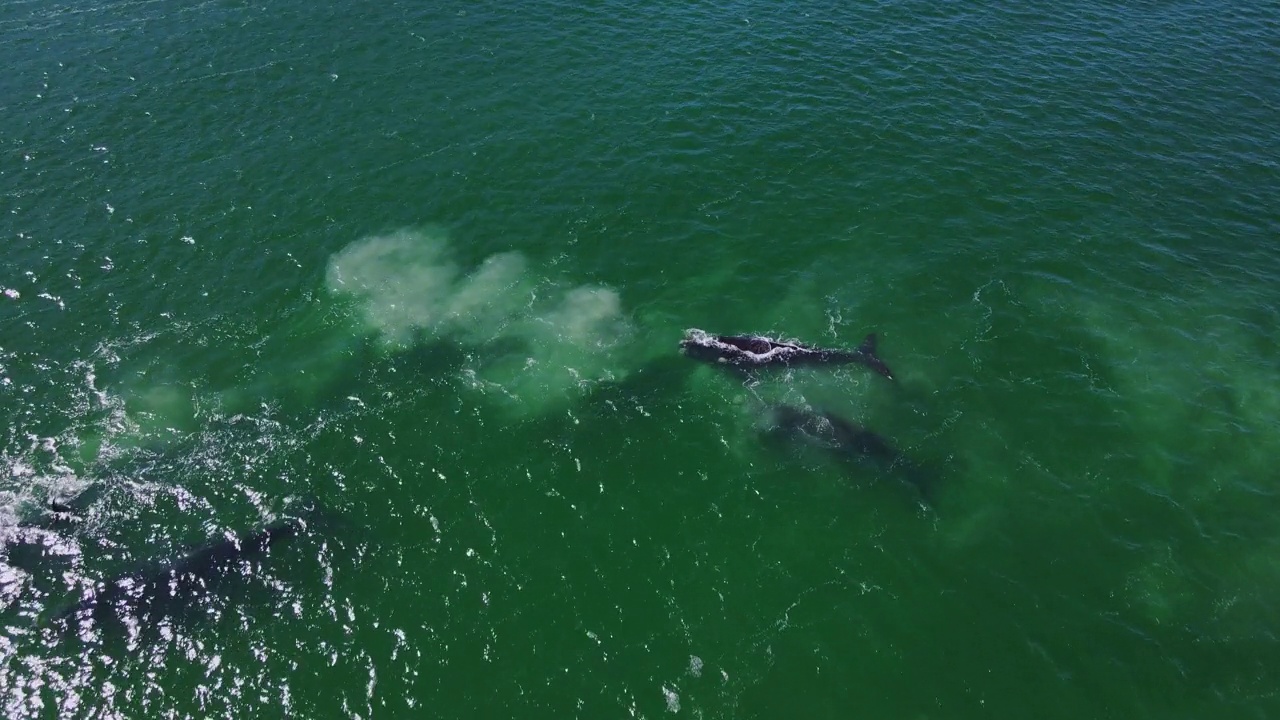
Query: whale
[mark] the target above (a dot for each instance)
(755, 351)
(849, 441)
(30, 542)
(164, 586)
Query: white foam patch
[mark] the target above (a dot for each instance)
(536, 341)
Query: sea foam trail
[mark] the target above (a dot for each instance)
(535, 340)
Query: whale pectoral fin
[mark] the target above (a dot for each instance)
(868, 346)
(867, 351)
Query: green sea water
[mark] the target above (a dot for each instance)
(429, 263)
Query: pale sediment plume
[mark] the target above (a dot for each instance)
(1201, 404)
(535, 340)
(402, 283)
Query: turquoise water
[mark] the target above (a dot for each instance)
(430, 264)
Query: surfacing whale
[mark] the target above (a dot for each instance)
(755, 351)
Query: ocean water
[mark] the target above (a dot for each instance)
(428, 265)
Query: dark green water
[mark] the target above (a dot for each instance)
(430, 263)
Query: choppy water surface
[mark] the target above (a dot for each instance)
(428, 267)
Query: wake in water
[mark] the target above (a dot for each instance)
(531, 341)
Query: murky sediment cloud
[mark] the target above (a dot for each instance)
(530, 338)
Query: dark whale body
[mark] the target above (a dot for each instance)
(160, 587)
(33, 541)
(849, 441)
(754, 351)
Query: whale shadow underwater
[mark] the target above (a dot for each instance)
(165, 588)
(849, 442)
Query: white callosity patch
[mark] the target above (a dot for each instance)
(673, 699)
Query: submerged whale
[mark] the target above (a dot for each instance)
(754, 351)
(848, 440)
(160, 586)
(38, 537)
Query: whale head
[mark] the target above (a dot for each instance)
(700, 345)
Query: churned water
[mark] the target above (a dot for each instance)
(427, 266)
